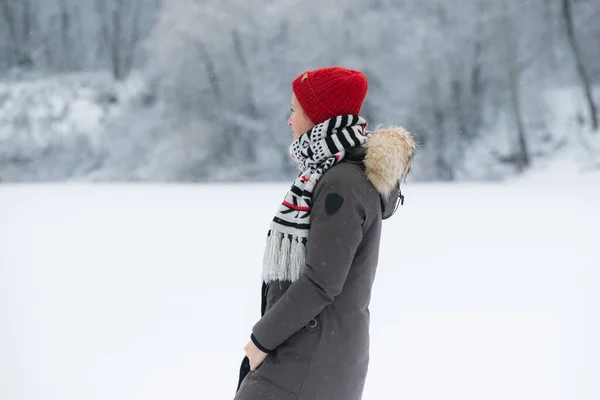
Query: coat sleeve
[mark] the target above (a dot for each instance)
(337, 218)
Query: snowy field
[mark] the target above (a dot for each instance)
(128, 292)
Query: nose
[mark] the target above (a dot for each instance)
(290, 121)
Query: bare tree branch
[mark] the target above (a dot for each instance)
(581, 69)
(115, 38)
(521, 156)
(134, 35)
(100, 6)
(9, 17)
(65, 25)
(211, 71)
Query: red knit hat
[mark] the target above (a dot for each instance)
(328, 92)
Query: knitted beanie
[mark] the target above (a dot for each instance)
(328, 92)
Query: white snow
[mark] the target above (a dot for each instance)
(122, 292)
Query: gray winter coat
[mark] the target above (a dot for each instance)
(317, 328)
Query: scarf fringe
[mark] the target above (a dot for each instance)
(286, 244)
(283, 249)
(298, 258)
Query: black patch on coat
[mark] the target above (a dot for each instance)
(333, 202)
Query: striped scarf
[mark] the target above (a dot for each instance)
(315, 152)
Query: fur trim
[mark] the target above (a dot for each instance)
(389, 155)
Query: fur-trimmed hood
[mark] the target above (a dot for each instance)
(387, 158)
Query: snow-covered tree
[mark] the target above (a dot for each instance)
(471, 79)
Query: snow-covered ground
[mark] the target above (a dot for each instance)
(127, 292)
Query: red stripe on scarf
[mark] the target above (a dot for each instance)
(290, 205)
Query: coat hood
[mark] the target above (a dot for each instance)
(388, 156)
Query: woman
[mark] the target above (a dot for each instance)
(321, 254)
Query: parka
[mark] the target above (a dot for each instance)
(317, 328)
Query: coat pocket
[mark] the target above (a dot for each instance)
(286, 367)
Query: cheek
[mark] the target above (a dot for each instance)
(306, 124)
(294, 121)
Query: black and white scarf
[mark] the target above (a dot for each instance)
(315, 152)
